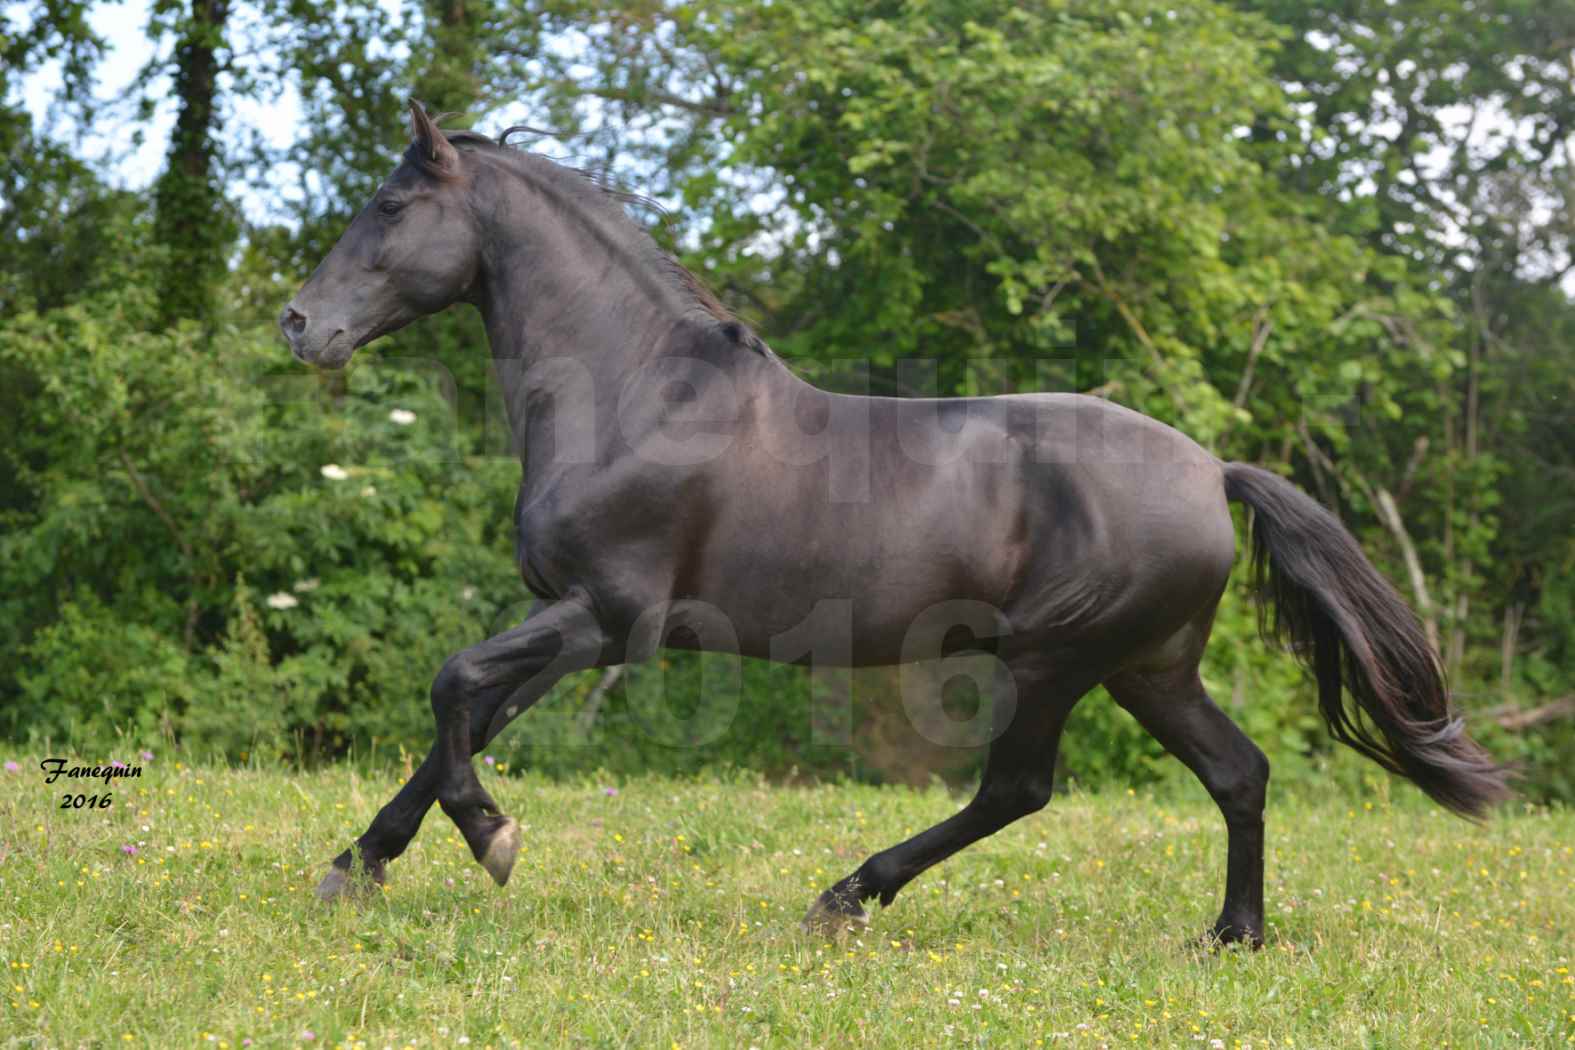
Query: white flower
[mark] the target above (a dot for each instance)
(369, 491)
(302, 586)
(334, 472)
(467, 594)
(282, 600)
(402, 416)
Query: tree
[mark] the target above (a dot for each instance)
(191, 219)
(1446, 128)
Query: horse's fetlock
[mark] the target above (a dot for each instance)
(876, 877)
(460, 800)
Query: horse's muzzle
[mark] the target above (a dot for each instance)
(296, 328)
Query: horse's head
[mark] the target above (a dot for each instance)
(414, 249)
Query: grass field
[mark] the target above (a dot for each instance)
(662, 913)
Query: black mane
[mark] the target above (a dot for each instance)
(677, 274)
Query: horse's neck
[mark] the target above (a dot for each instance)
(570, 329)
(566, 347)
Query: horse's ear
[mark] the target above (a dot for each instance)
(426, 135)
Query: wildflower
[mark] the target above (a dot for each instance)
(369, 491)
(282, 600)
(11, 767)
(116, 763)
(467, 594)
(146, 755)
(308, 1035)
(302, 586)
(402, 416)
(334, 472)
(129, 850)
(610, 792)
(489, 760)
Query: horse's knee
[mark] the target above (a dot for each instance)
(460, 678)
(1241, 788)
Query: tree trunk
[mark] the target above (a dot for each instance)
(191, 221)
(450, 81)
(1508, 643)
(1389, 515)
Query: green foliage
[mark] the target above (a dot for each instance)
(1257, 221)
(681, 714)
(66, 233)
(92, 677)
(193, 221)
(290, 562)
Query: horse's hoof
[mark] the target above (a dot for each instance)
(832, 913)
(502, 851)
(1225, 935)
(333, 886)
(339, 884)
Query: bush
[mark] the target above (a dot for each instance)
(203, 542)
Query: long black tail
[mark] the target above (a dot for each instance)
(1320, 595)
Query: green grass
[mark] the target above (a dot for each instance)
(667, 914)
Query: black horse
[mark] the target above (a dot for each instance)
(683, 489)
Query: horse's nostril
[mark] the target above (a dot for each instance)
(292, 321)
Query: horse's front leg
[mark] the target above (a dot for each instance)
(478, 692)
(504, 675)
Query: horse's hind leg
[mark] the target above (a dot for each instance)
(1016, 782)
(478, 691)
(387, 836)
(1173, 706)
(398, 821)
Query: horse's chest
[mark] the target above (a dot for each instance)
(589, 536)
(546, 547)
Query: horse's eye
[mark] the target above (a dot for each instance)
(390, 207)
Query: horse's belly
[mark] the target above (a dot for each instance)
(841, 631)
(860, 585)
